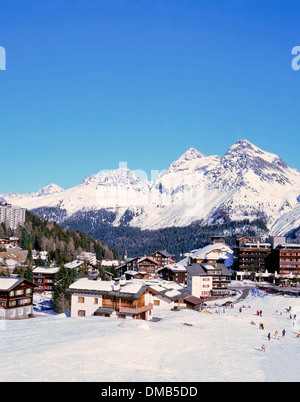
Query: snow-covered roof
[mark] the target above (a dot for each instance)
(45, 270)
(6, 283)
(177, 266)
(214, 251)
(129, 287)
(74, 264)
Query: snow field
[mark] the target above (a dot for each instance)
(183, 346)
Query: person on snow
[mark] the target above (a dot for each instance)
(269, 336)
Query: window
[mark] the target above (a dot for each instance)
(96, 300)
(81, 313)
(19, 292)
(80, 300)
(156, 303)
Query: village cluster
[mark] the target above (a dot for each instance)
(143, 285)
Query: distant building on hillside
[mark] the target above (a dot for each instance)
(89, 257)
(11, 215)
(43, 278)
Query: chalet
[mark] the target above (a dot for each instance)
(125, 299)
(16, 298)
(43, 278)
(213, 253)
(129, 265)
(14, 241)
(135, 275)
(4, 242)
(110, 299)
(166, 294)
(145, 266)
(148, 265)
(173, 272)
(162, 258)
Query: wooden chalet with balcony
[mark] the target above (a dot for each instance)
(162, 257)
(43, 278)
(110, 299)
(139, 267)
(16, 298)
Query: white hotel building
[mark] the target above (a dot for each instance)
(11, 215)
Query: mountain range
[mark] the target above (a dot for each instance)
(246, 183)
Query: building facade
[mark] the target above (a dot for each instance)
(11, 215)
(16, 298)
(120, 299)
(43, 278)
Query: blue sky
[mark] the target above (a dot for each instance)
(91, 83)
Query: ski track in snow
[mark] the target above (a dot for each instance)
(213, 347)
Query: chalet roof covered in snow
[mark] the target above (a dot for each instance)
(7, 284)
(216, 251)
(128, 289)
(46, 270)
(74, 264)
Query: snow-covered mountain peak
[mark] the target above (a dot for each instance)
(50, 189)
(191, 153)
(246, 182)
(192, 159)
(115, 177)
(249, 152)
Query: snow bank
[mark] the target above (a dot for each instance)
(184, 346)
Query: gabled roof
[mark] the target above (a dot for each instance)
(46, 270)
(7, 284)
(174, 267)
(164, 253)
(148, 258)
(129, 290)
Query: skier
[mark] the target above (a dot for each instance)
(263, 348)
(269, 336)
(283, 332)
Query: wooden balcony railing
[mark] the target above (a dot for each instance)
(138, 310)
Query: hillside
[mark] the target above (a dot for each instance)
(177, 240)
(62, 244)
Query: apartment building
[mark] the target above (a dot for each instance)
(11, 215)
(275, 258)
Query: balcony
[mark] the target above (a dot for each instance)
(134, 310)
